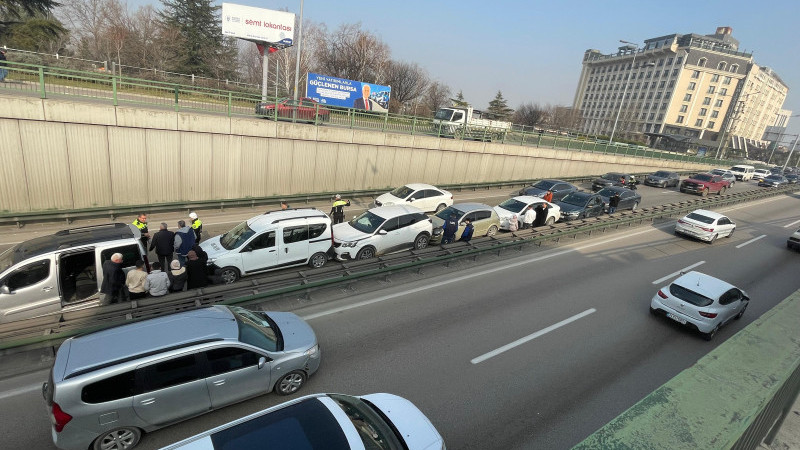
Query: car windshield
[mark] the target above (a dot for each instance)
(257, 329)
(373, 430)
(774, 178)
(367, 222)
(237, 236)
(702, 177)
(607, 192)
(689, 295)
(402, 192)
(447, 212)
(700, 218)
(661, 174)
(612, 176)
(444, 114)
(512, 205)
(718, 172)
(544, 185)
(575, 199)
(7, 258)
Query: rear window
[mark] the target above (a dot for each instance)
(689, 295)
(702, 177)
(700, 218)
(112, 388)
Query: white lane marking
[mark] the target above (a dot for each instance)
(20, 391)
(685, 269)
(751, 241)
(791, 224)
(531, 337)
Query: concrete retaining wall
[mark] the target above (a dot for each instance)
(62, 154)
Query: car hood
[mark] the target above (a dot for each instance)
(213, 247)
(389, 199)
(503, 213)
(343, 232)
(417, 430)
(655, 178)
(533, 191)
(297, 334)
(602, 181)
(567, 208)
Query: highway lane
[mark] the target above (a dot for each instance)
(421, 340)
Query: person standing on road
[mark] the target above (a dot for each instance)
(141, 223)
(113, 280)
(613, 203)
(466, 235)
(184, 241)
(196, 272)
(197, 226)
(135, 281)
(528, 218)
(3, 70)
(541, 214)
(450, 229)
(337, 211)
(157, 282)
(163, 243)
(548, 196)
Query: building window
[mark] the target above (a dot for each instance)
(726, 80)
(714, 114)
(711, 124)
(663, 106)
(734, 68)
(721, 65)
(707, 101)
(652, 116)
(675, 72)
(692, 85)
(687, 97)
(684, 108)
(703, 111)
(711, 89)
(714, 78)
(718, 103)
(698, 123)
(702, 62)
(723, 91)
(696, 74)
(662, 84)
(671, 83)
(660, 117)
(649, 95)
(638, 85)
(680, 119)
(647, 106)
(649, 73)
(658, 94)
(641, 75)
(657, 74)
(669, 61)
(679, 60)
(644, 115)
(660, 62)
(647, 128)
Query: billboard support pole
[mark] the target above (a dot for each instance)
(299, 49)
(265, 68)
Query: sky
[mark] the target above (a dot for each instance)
(531, 50)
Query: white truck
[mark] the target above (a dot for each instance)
(467, 123)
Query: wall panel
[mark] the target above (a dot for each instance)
(13, 180)
(163, 156)
(90, 174)
(44, 148)
(127, 161)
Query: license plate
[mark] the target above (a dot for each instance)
(676, 318)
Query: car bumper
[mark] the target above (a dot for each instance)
(345, 253)
(567, 218)
(794, 245)
(693, 232)
(655, 183)
(693, 190)
(681, 318)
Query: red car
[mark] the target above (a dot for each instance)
(302, 109)
(705, 183)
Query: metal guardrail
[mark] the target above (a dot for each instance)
(50, 330)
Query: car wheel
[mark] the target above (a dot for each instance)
(653, 311)
(713, 238)
(492, 230)
(635, 205)
(741, 313)
(731, 233)
(421, 241)
(118, 439)
(710, 335)
(440, 207)
(550, 221)
(318, 260)
(229, 275)
(366, 253)
(290, 383)
(722, 191)
(704, 193)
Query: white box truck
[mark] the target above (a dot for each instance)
(467, 123)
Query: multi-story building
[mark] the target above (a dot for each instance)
(679, 89)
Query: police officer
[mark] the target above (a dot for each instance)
(141, 223)
(337, 211)
(197, 226)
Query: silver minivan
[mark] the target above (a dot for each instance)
(109, 387)
(62, 271)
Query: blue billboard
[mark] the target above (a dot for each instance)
(348, 93)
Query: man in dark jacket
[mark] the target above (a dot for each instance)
(613, 203)
(466, 235)
(113, 280)
(541, 214)
(163, 242)
(196, 272)
(450, 229)
(184, 241)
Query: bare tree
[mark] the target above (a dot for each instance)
(563, 117)
(436, 96)
(353, 53)
(530, 114)
(408, 81)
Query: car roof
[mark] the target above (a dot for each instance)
(581, 194)
(703, 284)
(528, 198)
(467, 207)
(73, 237)
(707, 213)
(140, 338)
(619, 189)
(264, 221)
(418, 186)
(388, 212)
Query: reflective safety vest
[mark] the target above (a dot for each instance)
(139, 225)
(338, 206)
(197, 224)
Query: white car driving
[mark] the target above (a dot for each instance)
(705, 225)
(382, 230)
(518, 205)
(419, 195)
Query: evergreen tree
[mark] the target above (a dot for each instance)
(459, 100)
(14, 12)
(198, 25)
(498, 107)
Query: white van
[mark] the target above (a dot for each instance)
(270, 241)
(743, 172)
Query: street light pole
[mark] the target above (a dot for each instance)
(624, 87)
(791, 151)
(777, 141)
(299, 47)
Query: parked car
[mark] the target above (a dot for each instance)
(743, 172)
(580, 205)
(773, 181)
(613, 179)
(419, 195)
(726, 175)
(517, 205)
(325, 421)
(760, 174)
(705, 225)
(63, 271)
(382, 230)
(270, 241)
(628, 199)
(701, 302)
(108, 387)
(557, 187)
(663, 179)
(792, 178)
(703, 184)
(482, 217)
(794, 241)
(302, 109)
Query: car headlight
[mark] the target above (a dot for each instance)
(313, 352)
(571, 213)
(349, 244)
(437, 231)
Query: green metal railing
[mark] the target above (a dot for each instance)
(49, 82)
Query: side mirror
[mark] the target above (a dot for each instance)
(383, 232)
(411, 199)
(247, 249)
(262, 362)
(5, 290)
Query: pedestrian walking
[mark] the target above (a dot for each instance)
(466, 235)
(113, 280)
(528, 218)
(134, 281)
(163, 243)
(184, 241)
(3, 70)
(337, 211)
(613, 203)
(284, 205)
(450, 229)
(157, 282)
(196, 272)
(141, 223)
(197, 226)
(548, 196)
(541, 214)
(177, 276)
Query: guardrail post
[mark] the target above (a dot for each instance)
(539, 142)
(176, 98)
(413, 125)
(114, 90)
(569, 143)
(230, 104)
(42, 91)
(555, 141)
(352, 118)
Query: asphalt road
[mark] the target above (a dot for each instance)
(579, 343)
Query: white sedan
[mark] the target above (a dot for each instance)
(705, 225)
(423, 196)
(518, 205)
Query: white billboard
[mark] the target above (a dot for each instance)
(258, 24)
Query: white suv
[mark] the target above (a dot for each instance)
(419, 195)
(382, 230)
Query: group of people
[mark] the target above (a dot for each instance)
(187, 270)
(533, 216)
(451, 228)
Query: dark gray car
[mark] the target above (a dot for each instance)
(613, 179)
(628, 199)
(559, 189)
(663, 179)
(579, 205)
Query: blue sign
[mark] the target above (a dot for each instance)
(348, 93)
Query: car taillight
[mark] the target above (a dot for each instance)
(60, 418)
(681, 221)
(661, 294)
(708, 314)
(707, 229)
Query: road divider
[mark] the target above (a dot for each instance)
(751, 241)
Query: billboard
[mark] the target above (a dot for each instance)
(348, 93)
(258, 24)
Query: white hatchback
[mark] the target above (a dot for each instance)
(382, 230)
(518, 205)
(705, 225)
(419, 195)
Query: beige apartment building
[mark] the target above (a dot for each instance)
(682, 92)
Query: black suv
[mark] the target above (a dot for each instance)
(613, 179)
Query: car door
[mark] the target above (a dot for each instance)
(560, 190)
(261, 253)
(417, 199)
(30, 290)
(724, 226)
(595, 206)
(234, 374)
(171, 390)
(391, 237)
(294, 249)
(482, 222)
(731, 302)
(626, 200)
(433, 199)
